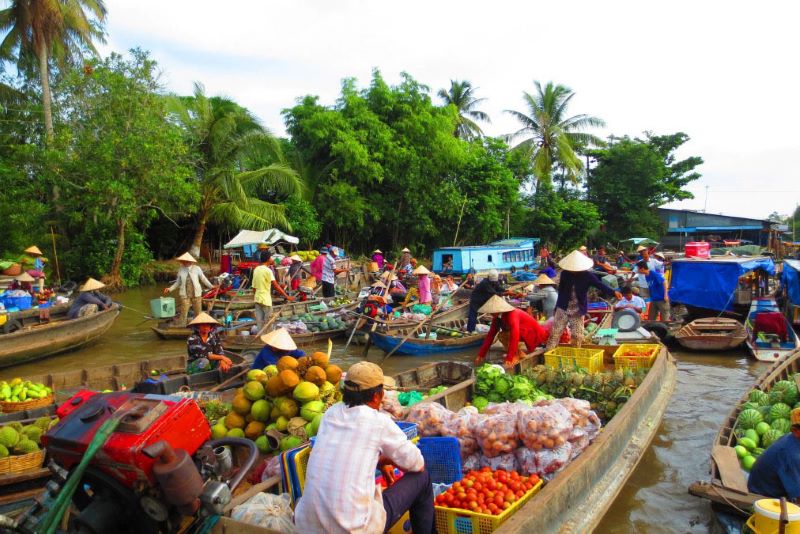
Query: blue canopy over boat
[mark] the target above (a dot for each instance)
(711, 283)
(790, 279)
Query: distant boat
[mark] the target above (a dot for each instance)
(501, 255)
(712, 333)
(769, 346)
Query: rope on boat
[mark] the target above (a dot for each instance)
(728, 502)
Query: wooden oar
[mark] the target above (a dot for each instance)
(241, 287)
(358, 324)
(263, 329)
(229, 381)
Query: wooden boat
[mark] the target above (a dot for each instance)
(392, 327)
(768, 348)
(422, 344)
(242, 299)
(432, 375)
(20, 319)
(727, 487)
(713, 333)
(233, 339)
(60, 334)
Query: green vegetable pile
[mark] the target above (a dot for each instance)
(764, 418)
(606, 392)
(410, 398)
(492, 384)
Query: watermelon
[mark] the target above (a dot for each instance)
(762, 427)
(780, 411)
(749, 419)
(759, 397)
(748, 444)
(771, 437)
(788, 391)
(782, 425)
(775, 396)
(749, 406)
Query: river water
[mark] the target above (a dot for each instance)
(655, 498)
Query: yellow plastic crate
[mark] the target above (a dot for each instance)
(645, 356)
(458, 521)
(571, 357)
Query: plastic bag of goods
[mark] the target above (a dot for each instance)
(431, 418)
(272, 468)
(579, 440)
(506, 461)
(593, 425)
(544, 427)
(497, 434)
(273, 512)
(462, 427)
(391, 405)
(548, 461)
(526, 458)
(578, 409)
(471, 462)
(506, 408)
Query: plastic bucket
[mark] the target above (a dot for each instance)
(766, 519)
(163, 308)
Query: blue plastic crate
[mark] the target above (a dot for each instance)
(21, 303)
(442, 459)
(410, 429)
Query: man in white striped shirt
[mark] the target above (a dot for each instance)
(354, 438)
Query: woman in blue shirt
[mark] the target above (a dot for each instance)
(278, 343)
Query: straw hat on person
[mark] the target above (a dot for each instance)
(203, 318)
(279, 339)
(186, 257)
(405, 249)
(379, 285)
(420, 270)
(92, 285)
(33, 251)
(640, 248)
(377, 251)
(295, 257)
(493, 275)
(576, 261)
(496, 305)
(544, 280)
(25, 277)
(388, 276)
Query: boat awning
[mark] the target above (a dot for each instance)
(790, 279)
(692, 229)
(255, 237)
(640, 240)
(712, 283)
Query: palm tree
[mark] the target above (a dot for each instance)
(553, 138)
(39, 30)
(462, 96)
(236, 160)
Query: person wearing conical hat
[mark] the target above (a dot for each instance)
(405, 263)
(203, 346)
(573, 290)
(486, 289)
(189, 280)
(547, 287)
(277, 344)
(32, 261)
(22, 282)
(518, 325)
(89, 300)
(377, 257)
(295, 271)
(423, 284)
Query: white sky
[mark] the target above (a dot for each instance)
(723, 72)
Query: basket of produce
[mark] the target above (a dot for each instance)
(635, 356)
(574, 358)
(16, 396)
(20, 445)
(15, 269)
(464, 510)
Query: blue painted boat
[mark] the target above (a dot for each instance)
(425, 347)
(501, 255)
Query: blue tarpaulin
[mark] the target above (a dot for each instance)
(790, 279)
(712, 283)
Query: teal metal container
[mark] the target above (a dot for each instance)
(163, 308)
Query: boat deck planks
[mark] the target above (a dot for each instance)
(729, 469)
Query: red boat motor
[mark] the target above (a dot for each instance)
(156, 472)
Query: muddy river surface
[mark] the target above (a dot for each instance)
(655, 498)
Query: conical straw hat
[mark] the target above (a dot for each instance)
(405, 249)
(203, 318)
(377, 251)
(544, 280)
(24, 277)
(33, 250)
(279, 339)
(186, 257)
(576, 261)
(496, 305)
(92, 284)
(421, 270)
(379, 285)
(388, 277)
(295, 257)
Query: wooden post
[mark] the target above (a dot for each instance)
(55, 255)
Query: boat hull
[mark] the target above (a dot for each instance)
(712, 334)
(54, 338)
(242, 343)
(423, 347)
(769, 352)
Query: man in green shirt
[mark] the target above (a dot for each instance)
(263, 282)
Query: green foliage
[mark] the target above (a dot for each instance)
(304, 220)
(461, 95)
(563, 221)
(385, 168)
(633, 177)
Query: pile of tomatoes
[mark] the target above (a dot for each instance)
(486, 491)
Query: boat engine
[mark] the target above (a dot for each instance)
(156, 473)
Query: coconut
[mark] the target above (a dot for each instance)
(286, 406)
(261, 410)
(254, 429)
(303, 363)
(261, 443)
(235, 433)
(254, 390)
(219, 431)
(281, 423)
(241, 405)
(320, 359)
(271, 370)
(327, 390)
(316, 375)
(256, 374)
(289, 378)
(290, 442)
(297, 427)
(334, 374)
(275, 387)
(287, 362)
(312, 409)
(305, 392)
(234, 420)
